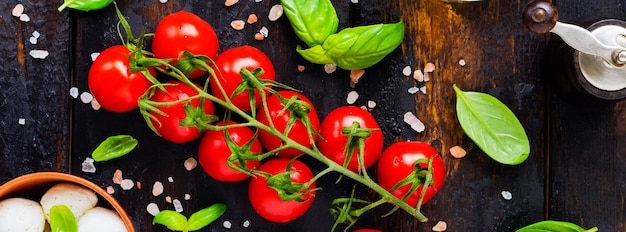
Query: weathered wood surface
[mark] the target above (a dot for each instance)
(575, 170)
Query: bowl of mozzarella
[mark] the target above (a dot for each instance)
(25, 204)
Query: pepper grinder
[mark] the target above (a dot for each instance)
(582, 62)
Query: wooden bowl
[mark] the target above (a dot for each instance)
(34, 185)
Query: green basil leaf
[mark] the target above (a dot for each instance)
(554, 226)
(205, 216)
(114, 147)
(367, 44)
(85, 5)
(492, 126)
(62, 219)
(316, 55)
(312, 20)
(172, 219)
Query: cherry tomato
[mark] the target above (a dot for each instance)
(184, 31)
(111, 82)
(229, 63)
(398, 161)
(214, 152)
(266, 201)
(281, 118)
(168, 126)
(333, 141)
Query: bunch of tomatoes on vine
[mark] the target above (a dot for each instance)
(264, 127)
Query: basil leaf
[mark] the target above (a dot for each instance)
(205, 216)
(554, 226)
(363, 46)
(312, 20)
(62, 219)
(85, 5)
(316, 55)
(114, 147)
(492, 126)
(172, 219)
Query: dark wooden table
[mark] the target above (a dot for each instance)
(575, 171)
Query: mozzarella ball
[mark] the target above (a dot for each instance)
(101, 219)
(77, 198)
(20, 214)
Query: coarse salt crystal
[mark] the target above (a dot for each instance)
(153, 209)
(187, 196)
(371, 104)
(170, 179)
(258, 0)
(413, 90)
(418, 75)
(227, 224)
(177, 205)
(462, 62)
(190, 163)
(440, 226)
(163, 1)
(330, 68)
(110, 190)
(74, 92)
(423, 89)
(252, 18)
(24, 18)
(138, 184)
(86, 97)
(427, 77)
(127, 184)
(275, 12)
(238, 24)
(507, 195)
(94, 56)
(21, 121)
(429, 67)
(36, 34)
(354, 1)
(117, 177)
(246, 223)
(32, 40)
(301, 68)
(39, 54)
(457, 152)
(18, 10)
(95, 104)
(258, 36)
(414, 122)
(264, 31)
(352, 97)
(87, 165)
(230, 2)
(157, 188)
(168, 199)
(406, 71)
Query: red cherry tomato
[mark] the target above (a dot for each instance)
(333, 141)
(111, 82)
(266, 201)
(229, 63)
(398, 161)
(281, 118)
(184, 31)
(168, 126)
(214, 152)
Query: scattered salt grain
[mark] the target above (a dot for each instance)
(163, 1)
(86, 97)
(423, 89)
(36, 34)
(95, 104)
(127, 184)
(354, 1)
(24, 18)
(187, 196)
(168, 199)
(264, 31)
(371, 104)
(440, 226)
(429, 67)
(117, 177)
(301, 68)
(87, 166)
(238, 24)
(507, 195)
(258, 0)
(21, 121)
(352, 97)
(190, 163)
(330, 68)
(413, 90)
(94, 56)
(275, 12)
(177, 205)
(414, 122)
(246, 223)
(258, 36)
(18, 10)
(252, 18)
(170, 179)
(39, 54)
(418, 75)
(227, 224)
(406, 71)
(457, 152)
(138, 184)
(110, 190)
(153, 209)
(427, 76)
(74, 92)
(157, 188)
(32, 40)
(230, 2)
(462, 62)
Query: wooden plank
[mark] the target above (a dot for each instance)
(501, 59)
(34, 97)
(587, 142)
